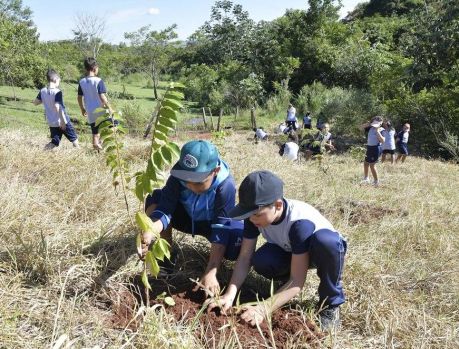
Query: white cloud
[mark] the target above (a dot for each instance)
(153, 11)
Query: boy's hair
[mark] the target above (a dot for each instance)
(377, 118)
(292, 136)
(90, 64)
(325, 125)
(52, 75)
(389, 125)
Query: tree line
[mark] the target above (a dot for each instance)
(397, 58)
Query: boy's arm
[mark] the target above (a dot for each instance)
(162, 214)
(37, 100)
(58, 105)
(365, 125)
(80, 103)
(102, 90)
(241, 269)
(379, 135)
(60, 112)
(104, 100)
(225, 200)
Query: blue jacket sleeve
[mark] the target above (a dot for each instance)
(225, 200)
(170, 195)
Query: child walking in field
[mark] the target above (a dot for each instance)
(374, 139)
(56, 115)
(196, 200)
(298, 238)
(402, 143)
(389, 142)
(92, 94)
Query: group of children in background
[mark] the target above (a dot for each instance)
(92, 94)
(382, 140)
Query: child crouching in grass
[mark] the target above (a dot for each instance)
(298, 238)
(56, 116)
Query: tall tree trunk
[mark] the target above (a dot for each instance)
(155, 80)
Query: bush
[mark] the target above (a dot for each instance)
(135, 118)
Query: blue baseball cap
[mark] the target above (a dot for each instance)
(197, 160)
(258, 189)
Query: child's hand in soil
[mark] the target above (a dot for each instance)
(209, 284)
(253, 315)
(224, 303)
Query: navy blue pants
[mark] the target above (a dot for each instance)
(227, 232)
(56, 134)
(326, 253)
(373, 154)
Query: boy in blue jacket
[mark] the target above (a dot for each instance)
(196, 200)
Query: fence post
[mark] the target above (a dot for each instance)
(204, 117)
(219, 119)
(211, 119)
(252, 117)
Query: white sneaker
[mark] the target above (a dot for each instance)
(376, 183)
(365, 181)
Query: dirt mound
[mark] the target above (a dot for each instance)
(287, 326)
(359, 212)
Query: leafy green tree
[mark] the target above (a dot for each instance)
(227, 36)
(151, 51)
(20, 61)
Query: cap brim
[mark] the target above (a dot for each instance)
(188, 176)
(239, 213)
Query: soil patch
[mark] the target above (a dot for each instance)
(288, 327)
(363, 212)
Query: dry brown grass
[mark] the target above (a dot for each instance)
(66, 239)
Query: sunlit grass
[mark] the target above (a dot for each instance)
(66, 238)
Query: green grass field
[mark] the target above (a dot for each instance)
(68, 245)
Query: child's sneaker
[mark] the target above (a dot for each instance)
(376, 184)
(329, 319)
(365, 181)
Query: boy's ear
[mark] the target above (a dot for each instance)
(278, 204)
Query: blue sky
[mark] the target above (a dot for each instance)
(55, 19)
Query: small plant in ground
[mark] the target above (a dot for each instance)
(162, 154)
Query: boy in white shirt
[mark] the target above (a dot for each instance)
(56, 116)
(298, 238)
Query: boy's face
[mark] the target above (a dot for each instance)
(202, 187)
(267, 215)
